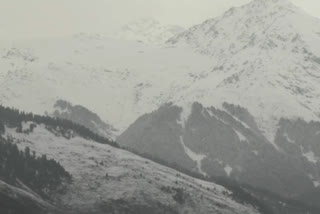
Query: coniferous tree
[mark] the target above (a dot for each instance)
(38, 173)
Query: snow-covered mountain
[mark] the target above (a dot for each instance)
(263, 57)
(148, 31)
(267, 60)
(116, 79)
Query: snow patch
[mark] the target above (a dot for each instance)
(241, 136)
(185, 114)
(26, 125)
(288, 138)
(242, 123)
(228, 169)
(194, 156)
(310, 156)
(116, 171)
(256, 152)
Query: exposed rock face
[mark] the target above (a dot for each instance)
(229, 143)
(84, 117)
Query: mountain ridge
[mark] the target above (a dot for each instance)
(273, 76)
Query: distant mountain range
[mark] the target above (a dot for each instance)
(235, 96)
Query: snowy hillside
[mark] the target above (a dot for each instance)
(106, 178)
(118, 80)
(267, 60)
(148, 31)
(263, 56)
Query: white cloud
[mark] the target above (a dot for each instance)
(37, 18)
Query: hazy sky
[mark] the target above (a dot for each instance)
(46, 18)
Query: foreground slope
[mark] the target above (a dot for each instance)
(107, 179)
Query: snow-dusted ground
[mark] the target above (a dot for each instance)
(129, 176)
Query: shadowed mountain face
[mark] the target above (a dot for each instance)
(227, 142)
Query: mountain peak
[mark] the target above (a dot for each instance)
(272, 3)
(246, 24)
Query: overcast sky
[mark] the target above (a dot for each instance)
(51, 18)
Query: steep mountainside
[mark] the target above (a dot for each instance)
(267, 60)
(106, 179)
(228, 143)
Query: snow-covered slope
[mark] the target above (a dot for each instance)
(267, 60)
(148, 31)
(109, 179)
(116, 79)
(263, 56)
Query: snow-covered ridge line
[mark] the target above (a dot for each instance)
(263, 58)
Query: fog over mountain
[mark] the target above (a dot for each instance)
(44, 18)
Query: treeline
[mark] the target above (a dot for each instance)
(25, 168)
(14, 118)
